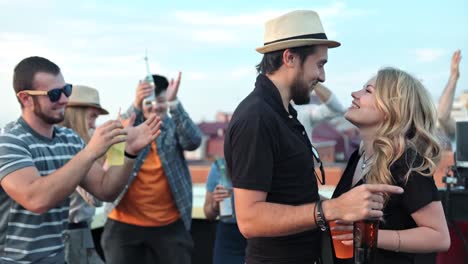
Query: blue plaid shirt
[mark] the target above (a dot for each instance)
(178, 133)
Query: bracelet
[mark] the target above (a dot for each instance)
(321, 221)
(315, 217)
(399, 241)
(130, 156)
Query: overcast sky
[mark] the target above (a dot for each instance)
(213, 43)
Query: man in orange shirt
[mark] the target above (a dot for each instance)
(151, 219)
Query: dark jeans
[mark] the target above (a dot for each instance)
(123, 243)
(229, 245)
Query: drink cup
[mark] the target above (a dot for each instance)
(342, 251)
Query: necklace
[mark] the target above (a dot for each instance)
(364, 160)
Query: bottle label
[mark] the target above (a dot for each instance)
(225, 207)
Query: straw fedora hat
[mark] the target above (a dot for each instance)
(85, 96)
(295, 29)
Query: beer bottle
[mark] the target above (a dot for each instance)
(365, 241)
(149, 79)
(226, 206)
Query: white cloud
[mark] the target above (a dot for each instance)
(343, 83)
(216, 28)
(215, 19)
(103, 45)
(214, 36)
(204, 18)
(340, 10)
(429, 54)
(217, 76)
(242, 72)
(197, 76)
(335, 10)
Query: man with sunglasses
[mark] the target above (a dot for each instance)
(151, 219)
(269, 155)
(41, 165)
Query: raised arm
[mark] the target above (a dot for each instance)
(446, 99)
(322, 92)
(39, 193)
(188, 132)
(329, 108)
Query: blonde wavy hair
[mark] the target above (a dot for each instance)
(409, 123)
(75, 118)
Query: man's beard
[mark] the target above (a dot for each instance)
(45, 118)
(300, 92)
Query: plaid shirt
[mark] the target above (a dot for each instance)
(178, 133)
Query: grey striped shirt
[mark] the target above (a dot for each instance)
(27, 237)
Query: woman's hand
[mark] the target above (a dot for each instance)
(342, 231)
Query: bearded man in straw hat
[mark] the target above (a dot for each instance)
(270, 157)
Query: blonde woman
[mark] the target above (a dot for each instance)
(81, 113)
(397, 121)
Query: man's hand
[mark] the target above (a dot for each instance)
(173, 88)
(143, 90)
(140, 136)
(220, 193)
(362, 202)
(455, 65)
(106, 135)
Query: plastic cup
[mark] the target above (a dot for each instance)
(342, 251)
(115, 154)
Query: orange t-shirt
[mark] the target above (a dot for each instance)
(148, 201)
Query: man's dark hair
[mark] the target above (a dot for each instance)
(25, 71)
(272, 61)
(161, 84)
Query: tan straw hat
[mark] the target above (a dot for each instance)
(295, 29)
(85, 96)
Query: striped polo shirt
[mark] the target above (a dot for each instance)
(27, 237)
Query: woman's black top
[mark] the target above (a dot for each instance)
(419, 191)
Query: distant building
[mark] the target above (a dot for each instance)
(344, 136)
(460, 107)
(335, 140)
(215, 132)
(213, 141)
(223, 117)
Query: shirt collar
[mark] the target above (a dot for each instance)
(28, 128)
(265, 88)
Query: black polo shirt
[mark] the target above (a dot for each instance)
(267, 149)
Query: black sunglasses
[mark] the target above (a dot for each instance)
(54, 94)
(319, 161)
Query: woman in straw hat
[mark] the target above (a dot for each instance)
(81, 113)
